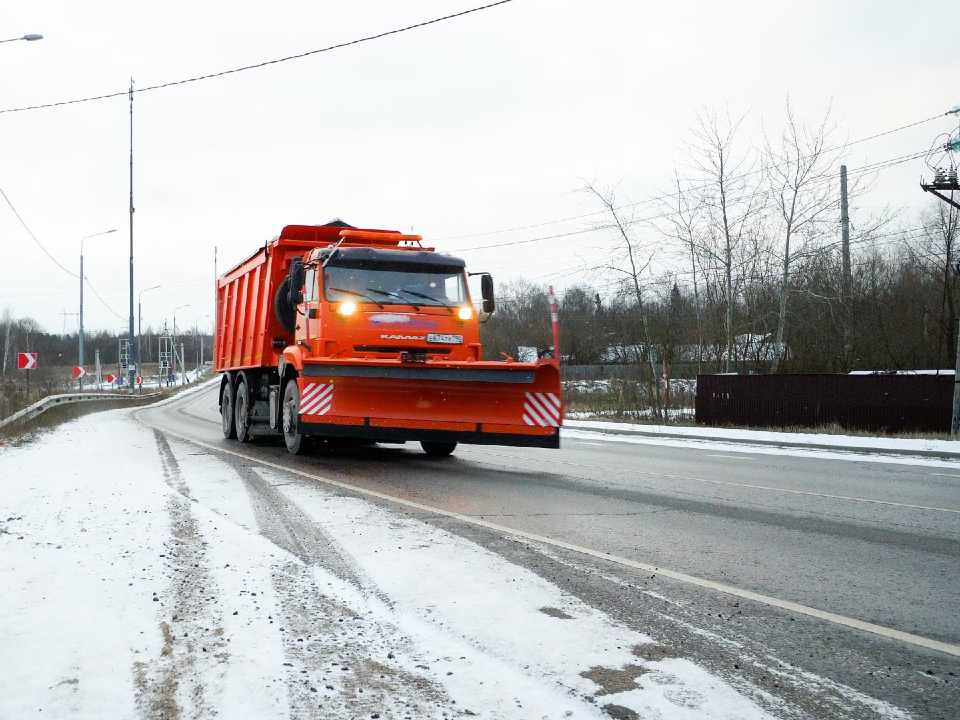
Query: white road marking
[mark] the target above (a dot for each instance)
(587, 442)
(787, 605)
(944, 475)
(727, 456)
(732, 484)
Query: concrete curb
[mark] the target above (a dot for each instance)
(40, 407)
(941, 454)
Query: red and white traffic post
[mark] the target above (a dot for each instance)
(27, 361)
(556, 327)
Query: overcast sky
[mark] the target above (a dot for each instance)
(481, 123)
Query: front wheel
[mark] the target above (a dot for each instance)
(438, 449)
(290, 418)
(226, 413)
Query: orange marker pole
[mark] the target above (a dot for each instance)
(556, 328)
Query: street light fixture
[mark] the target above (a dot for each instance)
(140, 324)
(85, 237)
(30, 37)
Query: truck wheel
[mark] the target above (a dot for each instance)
(242, 412)
(226, 413)
(438, 449)
(290, 419)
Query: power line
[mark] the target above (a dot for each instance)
(47, 253)
(198, 78)
(666, 196)
(819, 180)
(102, 301)
(669, 278)
(30, 233)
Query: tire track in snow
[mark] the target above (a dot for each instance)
(172, 685)
(339, 662)
(342, 659)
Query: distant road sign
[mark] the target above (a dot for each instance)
(80, 371)
(26, 361)
(111, 378)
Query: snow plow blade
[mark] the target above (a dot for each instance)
(484, 403)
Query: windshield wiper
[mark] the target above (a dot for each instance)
(358, 294)
(399, 297)
(426, 297)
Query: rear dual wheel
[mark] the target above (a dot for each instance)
(241, 420)
(226, 413)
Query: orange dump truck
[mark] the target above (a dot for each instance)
(332, 332)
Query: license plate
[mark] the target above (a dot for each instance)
(445, 339)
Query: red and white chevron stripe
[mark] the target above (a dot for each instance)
(316, 399)
(542, 409)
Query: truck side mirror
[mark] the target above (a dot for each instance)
(486, 291)
(296, 281)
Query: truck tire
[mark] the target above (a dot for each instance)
(226, 413)
(290, 419)
(241, 417)
(285, 311)
(437, 449)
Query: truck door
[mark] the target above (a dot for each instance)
(311, 308)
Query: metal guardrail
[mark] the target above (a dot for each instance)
(41, 406)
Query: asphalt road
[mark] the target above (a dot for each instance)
(867, 540)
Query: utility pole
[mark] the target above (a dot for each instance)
(131, 371)
(81, 313)
(847, 282)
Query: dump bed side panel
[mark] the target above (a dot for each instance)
(246, 324)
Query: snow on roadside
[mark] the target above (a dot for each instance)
(573, 432)
(853, 442)
(510, 624)
(144, 577)
(80, 560)
(115, 601)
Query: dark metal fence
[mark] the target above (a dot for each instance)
(896, 403)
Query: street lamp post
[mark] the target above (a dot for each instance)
(30, 37)
(105, 232)
(200, 350)
(140, 324)
(175, 338)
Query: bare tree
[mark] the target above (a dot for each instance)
(730, 194)
(9, 331)
(620, 225)
(682, 224)
(799, 177)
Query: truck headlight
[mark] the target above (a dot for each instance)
(347, 307)
(465, 313)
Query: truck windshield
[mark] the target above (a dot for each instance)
(427, 285)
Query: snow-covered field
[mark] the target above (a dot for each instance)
(145, 577)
